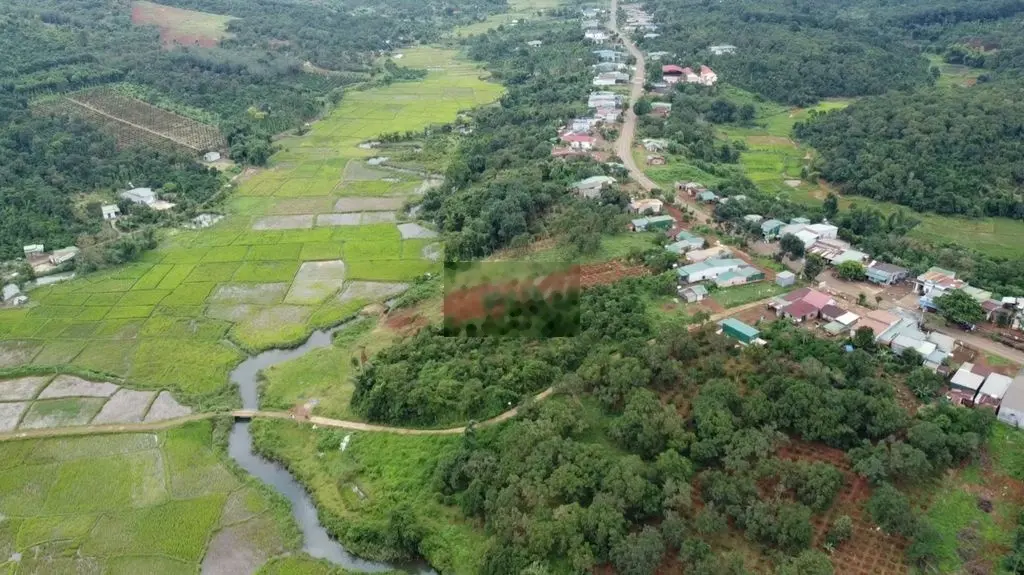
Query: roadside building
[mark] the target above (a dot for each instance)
(646, 205)
(694, 293)
(591, 187)
(63, 255)
(936, 278)
(722, 49)
(685, 242)
(964, 385)
(535, 43)
(596, 35)
(662, 109)
(799, 312)
(753, 218)
(33, 249)
(578, 141)
(886, 274)
(707, 196)
(739, 276)
(655, 160)
(832, 312)
(800, 220)
(739, 331)
(801, 304)
(786, 278)
(652, 223)
(696, 256)
(146, 197)
(993, 390)
(708, 269)
(1011, 408)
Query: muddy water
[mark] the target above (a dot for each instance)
(315, 539)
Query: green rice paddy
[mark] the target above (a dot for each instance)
(132, 503)
(182, 317)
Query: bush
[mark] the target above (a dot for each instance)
(840, 531)
(891, 510)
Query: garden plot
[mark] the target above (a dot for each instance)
(294, 222)
(378, 218)
(411, 231)
(368, 204)
(242, 548)
(71, 386)
(64, 412)
(15, 353)
(300, 206)
(316, 281)
(22, 388)
(264, 294)
(376, 291)
(325, 220)
(360, 171)
(125, 406)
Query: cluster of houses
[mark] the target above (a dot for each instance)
(674, 74)
(936, 282)
(591, 24)
(638, 21)
(43, 262)
(975, 385)
(590, 188)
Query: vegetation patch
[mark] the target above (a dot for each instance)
(180, 27)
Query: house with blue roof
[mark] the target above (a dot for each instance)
(771, 228)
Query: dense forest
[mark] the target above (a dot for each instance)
(660, 440)
(946, 151)
(502, 182)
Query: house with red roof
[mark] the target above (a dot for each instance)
(802, 304)
(673, 74)
(579, 141)
(707, 76)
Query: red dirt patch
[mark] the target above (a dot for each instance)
(179, 27)
(870, 551)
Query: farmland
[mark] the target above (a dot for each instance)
(134, 503)
(133, 122)
(179, 27)
(181, 318)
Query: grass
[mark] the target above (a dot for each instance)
(744, 294)
(390, 470)
(954, 75)
(102, 502)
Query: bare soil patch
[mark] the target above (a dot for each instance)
(242, 548)
(378, 218)
(368, 204)
(371, 290)
(297, 222)
(316, 281)
(71, 386)
(22, 388)
(125, 406)
(15, 353)
(166, 407)
(415, 231)
(264, 294)
(10, 414)
(179, 27)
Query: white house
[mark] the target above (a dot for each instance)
(63, 255)
(144, 196)
(707, 77)
(110, 211)
(708, 269)
(641, 206)
(11, 291)
(596, 35)
(33, 249)
(211, 156)
(1011, 409)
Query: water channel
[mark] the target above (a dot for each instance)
(315, 539)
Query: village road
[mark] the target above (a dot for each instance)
(624, 145)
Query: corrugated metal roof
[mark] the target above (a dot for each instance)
(966, 379)
(995, 385)
(741, 327)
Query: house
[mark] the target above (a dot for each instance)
(942, 341)
(33, 249)
(965, 384)
(992, 391)
(591, 187)
(694, 293)
(604, 99)
(651, 36)
(814, 298)
(736, 198)
(707, 76)
(609, 55)
(685, 242)
(707, 196)
(578, 141)
(653, 145)
(583, 125)
(10, 291)
(849, 256)
(110, 211)
(832, 312)
(722, 50)
(690, 188)
(708, 269)
(63, 255)
(886, 274)
(800, 221)
(1011, 409)
(936, 277)
(655, 56)
(596, 35)
(978, 294)
(662, 109)
(211, 157)
(786, 278)
(566, 152)
(653, 223)
(608, 114)
(753, 218)
(672, 74)
(609, 67)
(610, 78)
(739, 276)
(991, 307)
(807, 237)
(696, 256)
(146, 197)
(799, 311)
(535, 43)
(646, 205)
(739, 331)
(770, 229)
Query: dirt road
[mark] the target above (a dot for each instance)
(984, 344)
(254, 414)
(624, 145)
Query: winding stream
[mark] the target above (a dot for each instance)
(315, 539)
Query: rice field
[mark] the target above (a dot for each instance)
(186, 314)
(134, 503)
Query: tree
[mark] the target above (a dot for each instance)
(851, 271)
(864, 338)
(840, 531)
(958, 307)
(813, 265)
(925, 546)
(792, 245)
(809, 562)
(924, 383)
(830, 207)
(746, 113)
(891, 510)
(642, 107)
(639, 553)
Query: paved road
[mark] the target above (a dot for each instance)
(984, 344)
(624, 145)
(255, 414)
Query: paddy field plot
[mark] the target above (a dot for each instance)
(133, 503)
